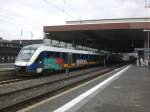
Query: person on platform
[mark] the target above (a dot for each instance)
(149, 63)
(137, 62)
(146, 63)
(141, 62)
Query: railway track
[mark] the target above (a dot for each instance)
(20, 92)
(7, 77)
(9, 81)
(11, 77)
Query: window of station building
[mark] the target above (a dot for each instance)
(6, 44)
(15, 45)
(10, 44)
(3, 57)
(8, 59)
(1, 44)
(12, 57)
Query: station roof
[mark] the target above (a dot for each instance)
(118, 35)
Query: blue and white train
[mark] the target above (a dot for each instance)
(40, 58)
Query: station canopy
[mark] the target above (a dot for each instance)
(117, 35)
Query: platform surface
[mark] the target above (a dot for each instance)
(130, 92)
(4, 66)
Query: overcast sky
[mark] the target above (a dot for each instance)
(32, 15)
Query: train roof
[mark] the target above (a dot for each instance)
(62, 49)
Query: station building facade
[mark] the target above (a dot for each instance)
(10, 49)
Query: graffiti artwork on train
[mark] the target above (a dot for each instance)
(52, 63)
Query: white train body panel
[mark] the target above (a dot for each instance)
(39, 48)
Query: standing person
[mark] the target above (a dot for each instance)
(141, 62)
(137, 62)
(146, 63)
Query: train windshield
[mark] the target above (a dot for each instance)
(26, 53)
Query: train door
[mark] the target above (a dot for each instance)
(69, 59)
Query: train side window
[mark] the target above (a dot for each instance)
(39, 58)
(61, 55)
(78, 56)
(53, 54)
(64, 56)
(86, 56)
(96, 57)
(49, 54)
(57, 54)
(92, 57)
(81, 56)
(74, 57)
(45, 54)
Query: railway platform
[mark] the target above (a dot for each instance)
(6, 66)
(126, 89)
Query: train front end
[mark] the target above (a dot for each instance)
(24, 58)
